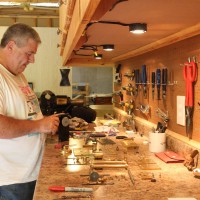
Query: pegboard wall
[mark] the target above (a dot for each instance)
(172, 57)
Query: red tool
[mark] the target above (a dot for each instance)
(69, 189)
(190, 75)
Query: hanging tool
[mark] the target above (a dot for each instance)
(130, 75)
(137, 81)
(144, 108)
(164, 116)
(158, 80)
(119, 93)
(129, 88)
(164, 83)
(153, 75)
(129, 106)
(190, 76)
(121, 103)
(118, 75)
(144, 80)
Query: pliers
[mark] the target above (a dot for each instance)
(190, 76)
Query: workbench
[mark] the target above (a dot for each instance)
(152, 179)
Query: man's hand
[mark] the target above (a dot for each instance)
(50, 124)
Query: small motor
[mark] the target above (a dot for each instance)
(63, 129)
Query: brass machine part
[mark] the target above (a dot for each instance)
(90, 196)
(131, 176)
(95, 166)
(98, 155)
(96, 179)
(109, 164)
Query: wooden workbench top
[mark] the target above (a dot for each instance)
(172, 180)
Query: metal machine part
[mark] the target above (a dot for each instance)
(75, 197)
(65, 121)
(63, 129)
(94, 176)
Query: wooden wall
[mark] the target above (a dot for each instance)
(172, 57)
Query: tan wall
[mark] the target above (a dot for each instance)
(171, 57)
(45, 72)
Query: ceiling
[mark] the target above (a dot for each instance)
(167, 21)
(37, 16)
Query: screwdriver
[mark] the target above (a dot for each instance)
(158, 81)
(153, 75)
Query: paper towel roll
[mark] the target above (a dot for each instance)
(157, 142)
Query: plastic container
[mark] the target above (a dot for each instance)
(157, 142)
(130, 134)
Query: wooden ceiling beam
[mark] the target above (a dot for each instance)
(33, 1)
(65, 13)
(30, 16)
(82, 14)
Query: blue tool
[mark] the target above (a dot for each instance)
(164, 82)
(158, 82)
(153, 78)
(144, 80)
(137, 81)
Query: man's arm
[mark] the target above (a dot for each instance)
(12, 128)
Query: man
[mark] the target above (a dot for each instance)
(22, 126)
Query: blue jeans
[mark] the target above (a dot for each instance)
(20, 191)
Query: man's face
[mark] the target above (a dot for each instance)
(21, 56)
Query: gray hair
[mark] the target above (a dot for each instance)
(20, 33)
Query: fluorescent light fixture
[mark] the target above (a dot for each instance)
(7, 3)
(138, 28)
(52, 5)
(108, 47)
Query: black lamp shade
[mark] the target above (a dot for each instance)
(108, 47)
(138, 28)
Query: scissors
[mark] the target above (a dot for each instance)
(190, 76)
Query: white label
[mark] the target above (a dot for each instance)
(181, 110)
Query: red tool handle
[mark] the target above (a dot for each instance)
(190, 75)
(57, 188)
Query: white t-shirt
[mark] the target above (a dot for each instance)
(20, 158)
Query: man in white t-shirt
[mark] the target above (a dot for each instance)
(22, 125)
